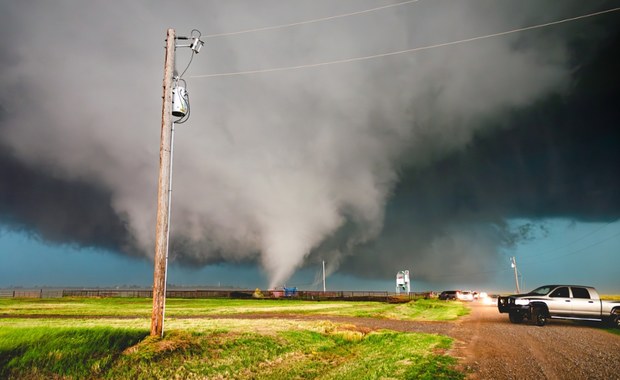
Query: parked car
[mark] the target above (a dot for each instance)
(466, 295)
(450, 295)
(561, 302)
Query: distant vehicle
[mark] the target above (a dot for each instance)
(561, 302)
(486, 299)
(450, 295)
(466, 295)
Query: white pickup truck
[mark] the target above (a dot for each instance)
(560, 302)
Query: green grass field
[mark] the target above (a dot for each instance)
(141, 307)
(108, 338)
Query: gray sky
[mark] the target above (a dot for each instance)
(415, 159)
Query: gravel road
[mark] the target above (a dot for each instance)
(493, 348)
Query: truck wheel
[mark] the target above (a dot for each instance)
(539, 316)
(615, 319)
(515, 317)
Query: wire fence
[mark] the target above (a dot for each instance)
(218, 293)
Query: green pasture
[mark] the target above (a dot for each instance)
(108, 338)
(431, 310)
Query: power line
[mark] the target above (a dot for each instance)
(573, 252)
(465, 274)
(428, 47)
(574, 241)
(527, 263)
(282, 26)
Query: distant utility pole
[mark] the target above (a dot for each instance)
(323, 276)
(163, 194)
(513, 264)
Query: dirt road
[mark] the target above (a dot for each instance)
(491, 347)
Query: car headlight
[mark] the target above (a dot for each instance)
(522, 302)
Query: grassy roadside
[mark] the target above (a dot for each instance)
(141, 307)
(333, 353)
(41, 352)
(48, 347)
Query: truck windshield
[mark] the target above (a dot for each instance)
(542, 290)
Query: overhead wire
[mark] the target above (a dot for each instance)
(412, 50)
(540, 253)
(466, 274)
(182, 95)
(189, 63)
(524, 263)
(281, 26)
(531, 262)
(192, 49)
(547, 259)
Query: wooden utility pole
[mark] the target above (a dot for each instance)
(514, 266)
(323, 276)
(163, 194)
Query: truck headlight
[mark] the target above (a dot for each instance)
(522, 302)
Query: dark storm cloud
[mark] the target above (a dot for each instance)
(558, 158)
(414, 158)
(57, 210)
